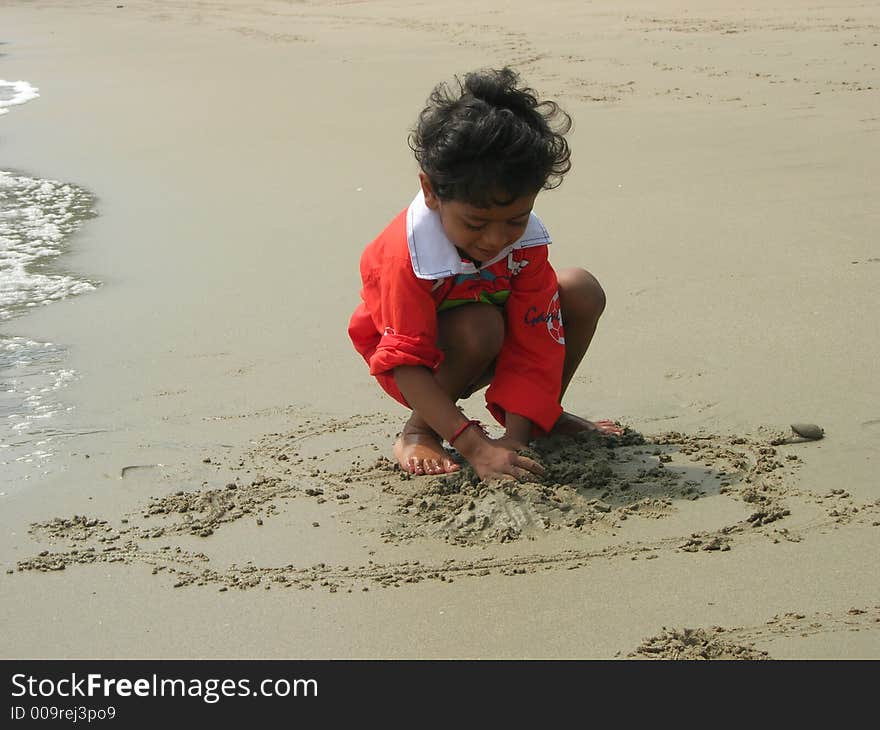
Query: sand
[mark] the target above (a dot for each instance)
(225, 489)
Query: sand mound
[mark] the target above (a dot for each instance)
(695, 644)
(591, 481)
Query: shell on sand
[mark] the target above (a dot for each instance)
(808, 430)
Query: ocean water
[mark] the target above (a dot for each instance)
(38, 218)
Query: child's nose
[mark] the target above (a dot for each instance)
(495, 237)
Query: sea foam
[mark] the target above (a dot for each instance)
(37, 219)
(15, 92)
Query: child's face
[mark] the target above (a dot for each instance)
(480, 233)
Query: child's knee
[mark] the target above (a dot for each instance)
(580, 294)
(474, 331)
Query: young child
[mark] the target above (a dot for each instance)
(458, 292)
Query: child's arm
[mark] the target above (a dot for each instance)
(518, 429)
(488, 457)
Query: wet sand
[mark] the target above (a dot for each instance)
(228, 493)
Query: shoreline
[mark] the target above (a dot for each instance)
(40, 221)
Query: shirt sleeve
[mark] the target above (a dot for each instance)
(405, 315)
(528, 372)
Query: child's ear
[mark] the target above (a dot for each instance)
(431, 199)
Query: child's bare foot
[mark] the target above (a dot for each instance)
(569, 424)
(420, 451)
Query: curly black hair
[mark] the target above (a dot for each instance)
(492, 141)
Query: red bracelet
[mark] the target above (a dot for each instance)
(461, 430)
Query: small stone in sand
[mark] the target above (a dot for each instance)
(808, 430)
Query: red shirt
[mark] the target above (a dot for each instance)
(411, 271)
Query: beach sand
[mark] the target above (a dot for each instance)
(224, 489)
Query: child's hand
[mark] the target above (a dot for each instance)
(496, 458)
(495, 461)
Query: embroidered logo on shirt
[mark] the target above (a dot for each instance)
(514, 265)
(552, 317)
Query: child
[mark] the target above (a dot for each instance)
(458, 292)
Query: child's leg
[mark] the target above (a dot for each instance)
(471, 337)
(582, 301)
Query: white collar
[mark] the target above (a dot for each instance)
(434, 256)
